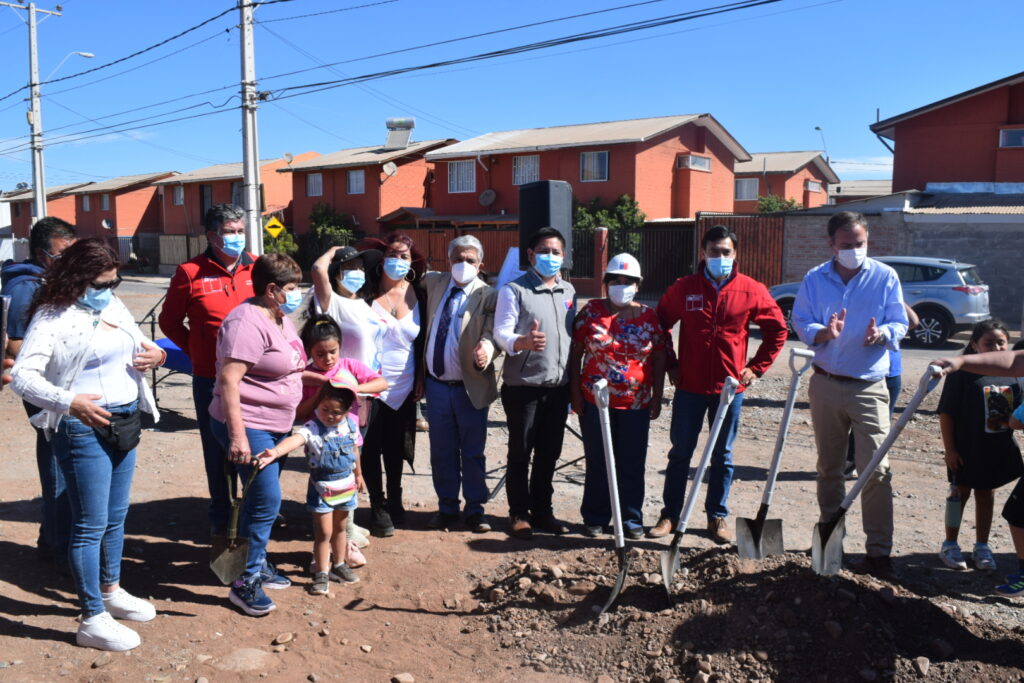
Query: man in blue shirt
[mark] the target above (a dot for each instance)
(48, 238)
(849, 310)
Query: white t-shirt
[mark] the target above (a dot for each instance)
(362, 330)
(107, 371)
(398, 362)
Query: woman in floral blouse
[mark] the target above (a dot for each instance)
(620, 340)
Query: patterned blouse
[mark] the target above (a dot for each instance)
(619, 351)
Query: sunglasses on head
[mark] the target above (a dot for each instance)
(111, 284)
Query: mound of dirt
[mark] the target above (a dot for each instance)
(732, 620)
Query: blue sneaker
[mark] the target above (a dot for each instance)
(271, 579)
(1014, 585)
(249, 597)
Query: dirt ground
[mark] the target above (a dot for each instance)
(462, 607)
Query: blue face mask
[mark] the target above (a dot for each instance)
(96, 299)
(396, 268)
(720, 266)
(353, 280)
(548, 264)
(292, 300)
(233, 245)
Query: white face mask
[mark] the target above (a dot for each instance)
(621, 295)
(852, 258)
(463, 272)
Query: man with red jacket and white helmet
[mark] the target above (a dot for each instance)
(714, 308)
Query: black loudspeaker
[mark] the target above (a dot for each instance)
(545, 204)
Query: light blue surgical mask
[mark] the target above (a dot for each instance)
(353, 280)
(292, 300)
(720, 266)
(396, 268)
(233, 245)
(96, 299)
(548, 264)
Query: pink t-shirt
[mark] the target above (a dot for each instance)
(272, 388)
(362, 374)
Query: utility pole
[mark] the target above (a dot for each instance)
(35, 116)
(250, 144)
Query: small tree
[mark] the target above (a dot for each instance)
(775, 204)
(284, 243)
(327, 228)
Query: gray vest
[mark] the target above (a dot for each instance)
(555, 309)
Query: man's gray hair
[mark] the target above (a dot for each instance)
(466, 242)
(219, 214)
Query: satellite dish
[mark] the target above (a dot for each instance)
(390, 169)
(487, 197)
(106, 225)
(288, 157)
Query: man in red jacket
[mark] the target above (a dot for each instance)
(714, 308)
(202, 292)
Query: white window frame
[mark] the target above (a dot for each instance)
(1003, 137)
(314, 184)
(812, 186)
(525, 169)
(588, 159)
(178, 195)
(459, 181)
(694, 162)
(355, 181)
(86, 204)
(747, 182)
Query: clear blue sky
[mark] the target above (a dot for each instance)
(770, 74)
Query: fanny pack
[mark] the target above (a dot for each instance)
(124, 431)
(338, 491)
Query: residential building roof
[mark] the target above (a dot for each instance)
(428, 216)
(861, 188)
(210, 173)
(363, 156)
(785, 162)
(886, 127)
(585, 135)
(969, 203)
(53, 191)
(122, 182)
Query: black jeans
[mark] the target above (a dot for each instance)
(536, 424)
(390, 436)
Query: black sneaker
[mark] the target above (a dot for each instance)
(249, 597)
(343, 573)
(380, 523)
(477, 524)
(443, 521)
(593, 530)
(634, 533)
(321, 584)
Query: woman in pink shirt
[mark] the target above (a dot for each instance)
(260, 360)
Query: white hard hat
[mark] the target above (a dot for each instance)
(624, 264)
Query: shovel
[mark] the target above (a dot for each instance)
(827, 542)
(760, 537)
(228, 553)
(670, 557)
(601, 398)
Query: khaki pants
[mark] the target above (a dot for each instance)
(836, 407)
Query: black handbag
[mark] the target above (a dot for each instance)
(124, 431)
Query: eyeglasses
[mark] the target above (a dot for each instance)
(112, 284)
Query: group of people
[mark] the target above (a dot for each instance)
(379, 333)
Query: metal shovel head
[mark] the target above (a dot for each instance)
(827, 547)
(669, 567)
(228, 557)
(619, 582)
(756, 541)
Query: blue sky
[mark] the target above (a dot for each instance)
(770, 74)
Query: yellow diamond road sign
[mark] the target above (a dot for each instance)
(274, 227)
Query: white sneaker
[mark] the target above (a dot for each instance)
(103, 633)
(951, 556)
(123, 605)
(983, 559)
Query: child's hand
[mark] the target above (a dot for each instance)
(953, 461)
(360, 484)
(266, 457)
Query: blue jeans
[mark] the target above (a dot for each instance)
(629, 443)
(263, 500)
(55, 524)
(213, 458)
(688, 414)
(458, 433)
(99, 481)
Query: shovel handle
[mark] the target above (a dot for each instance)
(602, 399)
(787, 418)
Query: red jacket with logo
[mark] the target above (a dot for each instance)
(714, 329)
(203, 292)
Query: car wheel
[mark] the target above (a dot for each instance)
(935, 327)
(786, 306)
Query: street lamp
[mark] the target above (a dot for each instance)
(823, 146)
(87, 55)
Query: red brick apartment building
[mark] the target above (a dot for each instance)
(118, 207)
(803, 176)
(58, 203)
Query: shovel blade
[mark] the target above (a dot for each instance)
(771, 538)
(619, 582)
(228, 558)
(748, 539)
(827, 547)
(669, 567)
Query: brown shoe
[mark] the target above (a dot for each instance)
(719, 530)
(664, 527)
(520, 528)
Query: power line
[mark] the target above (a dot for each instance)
(330, 11)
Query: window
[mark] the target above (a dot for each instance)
(17, 209)
(1014, 137)
(85, 202)
(746, 189)
(593, 167)
(694, 162)
(357, 181)
(205, 200)
(461, 177)
(525, 169)
(315, 185)
(178, 198)
(910, 272)
(813, 186)
(237, 195)
(104, 202)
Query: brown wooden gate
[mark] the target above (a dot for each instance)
(761, 238)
